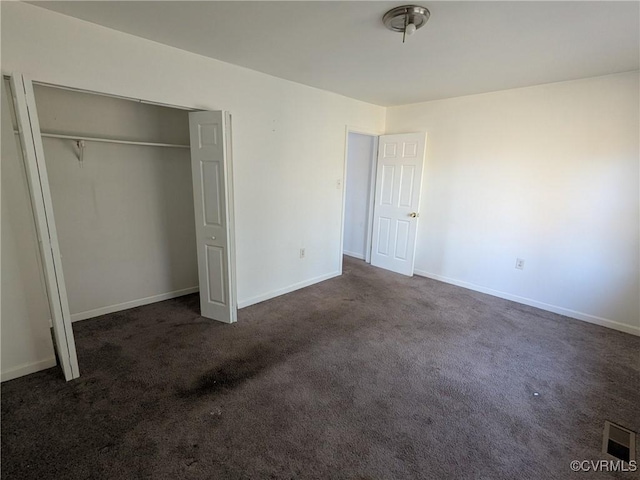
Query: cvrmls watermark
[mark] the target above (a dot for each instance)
(603, 466)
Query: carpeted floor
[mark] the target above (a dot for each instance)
(371, 375)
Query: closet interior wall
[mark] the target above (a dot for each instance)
(124, 213)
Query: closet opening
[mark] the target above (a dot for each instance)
(120, 179)
(126, 195)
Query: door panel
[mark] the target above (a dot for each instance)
(406, 185)
(211, 169)
(403, 227)
(386, 193)
(212, 203)
(389, 149)
(383, 236)
(36, 170)
(397, 199)
(215, 266)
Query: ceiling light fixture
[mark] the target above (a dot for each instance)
(406, 19)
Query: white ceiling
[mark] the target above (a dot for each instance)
(465, 48)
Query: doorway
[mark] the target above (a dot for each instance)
(359, 192)
(383, 184)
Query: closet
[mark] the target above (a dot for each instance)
(123, 211)
(132, 203)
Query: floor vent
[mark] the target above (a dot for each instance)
(619, 442)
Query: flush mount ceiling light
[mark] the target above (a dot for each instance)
(406, 19)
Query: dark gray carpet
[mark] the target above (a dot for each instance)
(368, 376)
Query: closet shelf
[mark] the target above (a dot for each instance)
(109, 140)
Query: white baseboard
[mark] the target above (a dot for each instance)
(76, 317)
(27, 368)
(604, 322)
(359, 256)
(289, 289)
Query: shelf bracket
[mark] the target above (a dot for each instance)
(81, 145)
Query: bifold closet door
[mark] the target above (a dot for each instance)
(36, 170)
(212, 192)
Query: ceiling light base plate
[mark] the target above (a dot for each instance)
(398, 18)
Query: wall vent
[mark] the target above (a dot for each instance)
(619, 442)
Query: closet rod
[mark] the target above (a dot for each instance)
(109, 140)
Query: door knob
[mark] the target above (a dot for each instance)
(414, 215)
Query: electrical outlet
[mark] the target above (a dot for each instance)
(302, 253)
(519, 263)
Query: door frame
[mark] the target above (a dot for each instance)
(43, 217)
(372, 190)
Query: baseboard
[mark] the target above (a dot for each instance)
(76, 317)
(585, 317)
(289, 289)
(359, 256)
(28, 368)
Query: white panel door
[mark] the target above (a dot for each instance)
(36, 169)
(212, 193)
(397, 199)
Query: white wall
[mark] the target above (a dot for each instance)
(125, 217)
(25, 336)
(358, 184)
(548, 174)
(288, 138)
